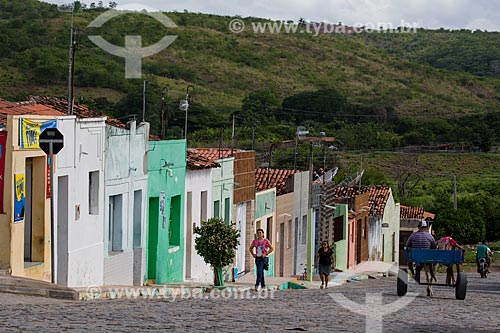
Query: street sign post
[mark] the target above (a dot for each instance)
(51, 141)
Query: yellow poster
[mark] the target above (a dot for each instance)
(29, 132)
(19, 199)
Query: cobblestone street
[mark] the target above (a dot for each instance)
(288, 310)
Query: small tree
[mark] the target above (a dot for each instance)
(216, 243)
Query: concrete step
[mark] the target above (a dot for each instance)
(24, 286)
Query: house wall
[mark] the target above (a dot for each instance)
(250, 234)
(79, 232)
(197, 181)
(351, 251)
(243, 217)
(375, 238)
(222, 188)
(390, 230)
(243, 211)
(167, 173)
(244, 176)
(126, 176)
(341, 247)
(12, 234)
(265, 210)
(284, 234)
(301, 207)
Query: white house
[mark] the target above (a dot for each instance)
(126, 191)
(79, 202)
(198, 209)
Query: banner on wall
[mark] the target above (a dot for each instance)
(19, 197)
(29, 132)
(3, 142)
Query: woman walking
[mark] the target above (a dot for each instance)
(324, 260)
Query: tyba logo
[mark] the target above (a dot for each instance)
(133, 52)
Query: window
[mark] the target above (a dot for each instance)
(304, 229)
(137, 219)
(174, 229)
(94, 192)
(227, 207)
(204, 205)
(115, 223)
(216, 208)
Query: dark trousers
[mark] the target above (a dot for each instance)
(260, 262)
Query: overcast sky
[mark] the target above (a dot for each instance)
(434, 14)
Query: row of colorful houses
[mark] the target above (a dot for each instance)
(126, 205)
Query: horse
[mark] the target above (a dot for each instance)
(430, 275)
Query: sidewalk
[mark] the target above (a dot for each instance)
(17, 285)
(25, 286)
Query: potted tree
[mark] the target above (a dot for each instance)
(216, 244)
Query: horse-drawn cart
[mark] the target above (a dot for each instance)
(422, 257)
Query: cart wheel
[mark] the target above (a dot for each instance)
(461, 287)
(402, 281)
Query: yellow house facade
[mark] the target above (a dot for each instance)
(25, 225)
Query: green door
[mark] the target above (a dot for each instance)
(154, 210)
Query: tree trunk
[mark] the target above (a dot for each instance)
(218, 277)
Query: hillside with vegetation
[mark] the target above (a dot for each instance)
(350, 78)
(386, 98)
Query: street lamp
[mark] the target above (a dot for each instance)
(184, 105)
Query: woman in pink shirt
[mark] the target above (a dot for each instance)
(263, 248)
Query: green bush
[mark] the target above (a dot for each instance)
(216, 244)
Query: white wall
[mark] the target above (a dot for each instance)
(392, 223)
(125, 173)
(82, 153)
(301, 206)
(196, 182)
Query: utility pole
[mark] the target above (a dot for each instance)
(295, 154)
(232, 134)
(253, 137)
(72, 94)
(144, 101)
(455, 192)
(70, 63)
(162, 120)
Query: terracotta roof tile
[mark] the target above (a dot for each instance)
(10, 108)
(79, 110)
(269, 178)
(378, 196)
(411, 212)
(378, 199)
(214, 154)
(196, 161)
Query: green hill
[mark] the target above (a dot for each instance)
(374, 75)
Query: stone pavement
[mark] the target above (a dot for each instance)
(311, 310)
(39, 288)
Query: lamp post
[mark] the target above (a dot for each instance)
(184, 105)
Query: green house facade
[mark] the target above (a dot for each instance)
(165, 233)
